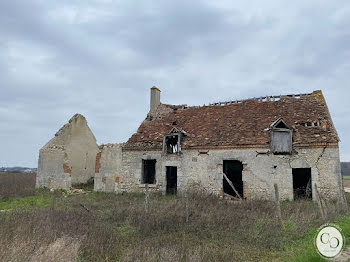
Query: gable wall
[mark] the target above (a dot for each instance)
(81, 149)
(69, 157)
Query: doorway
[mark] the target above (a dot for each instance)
(302, 183)
(171, 179)
(233, 170)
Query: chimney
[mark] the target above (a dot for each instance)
(155, 99)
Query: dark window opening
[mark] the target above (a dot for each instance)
(203, 152)
(281, 125)
(149, 171)
(308, 124)
(172, 144)
(174, 123)
(302, 183)
(171, 179)
(233, 170)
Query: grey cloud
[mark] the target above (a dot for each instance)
(319, 55)
(26, 21)
(196, 52)
(170, 33)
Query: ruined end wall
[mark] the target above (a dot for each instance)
(81, 150)
(69, 157)
(108, 168)
(53, 171)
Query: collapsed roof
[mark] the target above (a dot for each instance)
(239, 124)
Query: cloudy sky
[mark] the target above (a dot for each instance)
(100, 58)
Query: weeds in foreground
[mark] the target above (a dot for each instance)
(115, 228)
(56, 226)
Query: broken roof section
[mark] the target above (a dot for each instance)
(76, 128)
(239, 124)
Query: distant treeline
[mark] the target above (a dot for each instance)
(18, 169)
(345, 168)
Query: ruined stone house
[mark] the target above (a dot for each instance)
(254, 143)
(68, 158)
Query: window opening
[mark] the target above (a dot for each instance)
(149, 171)
(172, 145)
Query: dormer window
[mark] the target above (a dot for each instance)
(281, 137)
(172, 141)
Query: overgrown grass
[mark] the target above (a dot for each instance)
(109, 227)
(38, 199)
(303, 249)
(346, 177)
(56, 226)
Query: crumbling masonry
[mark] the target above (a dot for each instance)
(69, 158)
(288, 140)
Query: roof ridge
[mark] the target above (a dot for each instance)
(261, 99)
(241, 124)
(229, 102)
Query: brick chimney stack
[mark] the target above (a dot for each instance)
(155, 99)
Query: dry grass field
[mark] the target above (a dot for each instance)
(346, 182)
(56, 226)
(16, 184)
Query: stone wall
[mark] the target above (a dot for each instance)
(51, 171)
(81, 150)
(108, 168)
(69, 157)
(202, 169)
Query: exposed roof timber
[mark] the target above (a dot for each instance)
(240, 124)
(261, 99)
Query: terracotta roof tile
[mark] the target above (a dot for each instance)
(240, 124)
